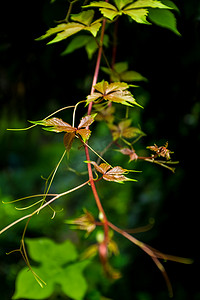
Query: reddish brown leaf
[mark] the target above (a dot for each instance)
(116, 178)
(68, 140)
(86, 121)
(84, 133)
(102, 168)
(117, 170)
(130, 152)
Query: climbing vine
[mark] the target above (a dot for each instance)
(87, 29)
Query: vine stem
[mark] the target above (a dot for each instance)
(93, 187)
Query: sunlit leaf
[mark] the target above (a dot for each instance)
(84, 17)
(65, 30)
(102, 168)
(93, 28)
(138, 15)
(121, 3)
(114, 92)
(137, 10)
(147, 3)
(55, 125)
(84, 133)
(87, 120)
(112, 174)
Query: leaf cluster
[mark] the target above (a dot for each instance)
(58, 125)
(114, 92)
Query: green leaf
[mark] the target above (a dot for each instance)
(108, 10)
(164, 18)
(72, 280)
(76, 43)
(121, 3)
(26, 287)
(58, 253)
(52, 259)
(84, 17)
(137, 10)
(147, 3)
(93, 28)
(120, 73)
(63, 31)
(171, 4)
(132, 76)
(101, 4)
(121, 67)
(138, 15)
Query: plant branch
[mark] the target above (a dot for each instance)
(43, 206)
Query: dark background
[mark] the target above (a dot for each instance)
(35, 80)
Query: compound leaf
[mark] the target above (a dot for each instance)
(114, 92)
(112, 174)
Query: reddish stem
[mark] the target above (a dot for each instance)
(114, 50)
(98, 202)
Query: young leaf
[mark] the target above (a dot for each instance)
(84, 133)
(76, 43)
(65, 30)
(130, 152)
(137, 11)
(123, 129)
(68, 140)
(112, 174)
(87, 121)
(55, 124)
(114, 92)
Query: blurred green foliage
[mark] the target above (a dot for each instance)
(33, 84)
